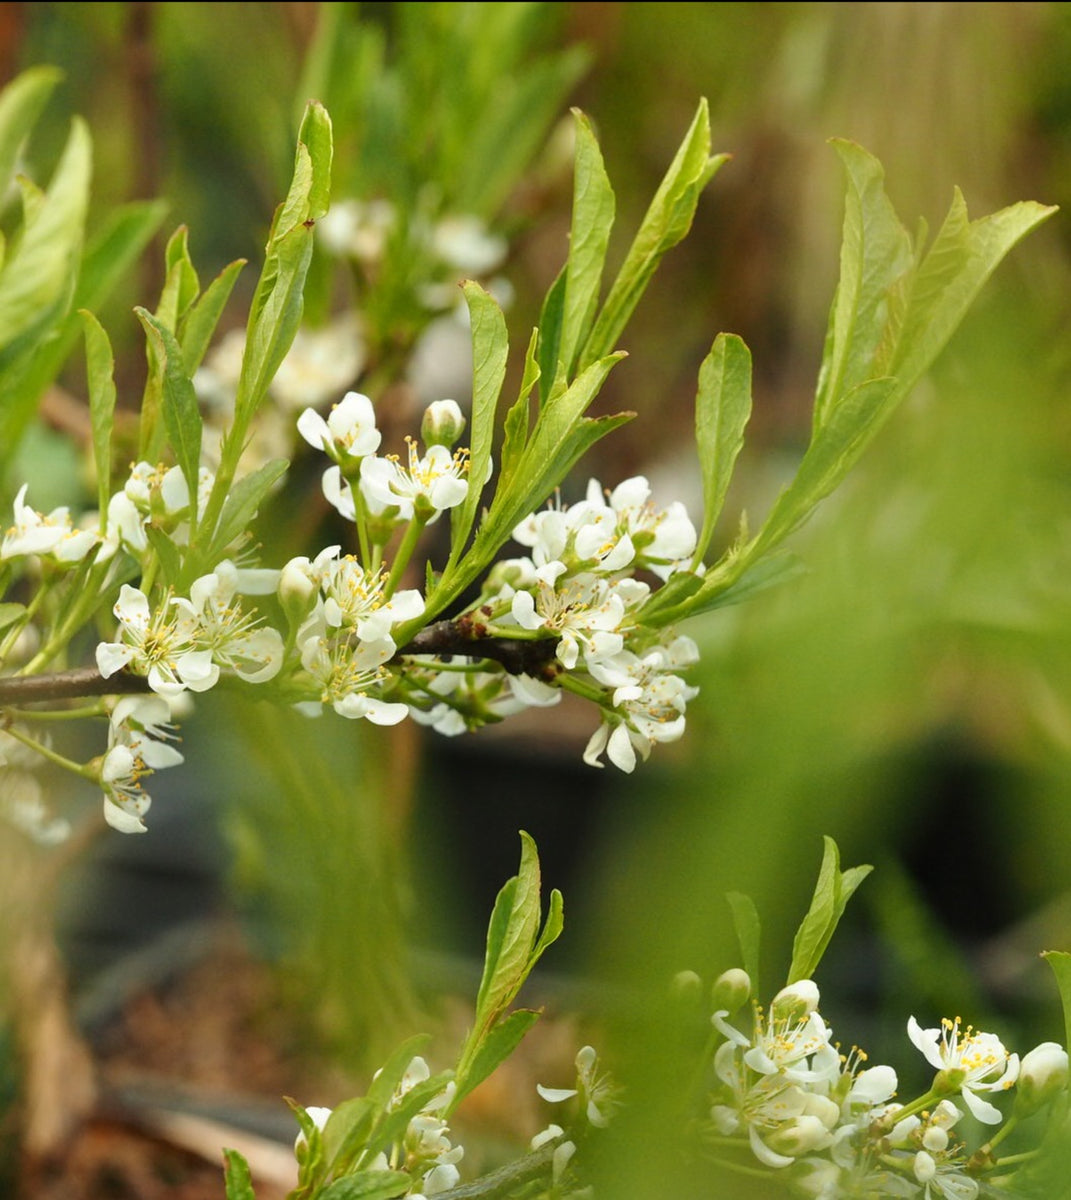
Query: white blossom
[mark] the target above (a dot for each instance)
(974, 1060)
(426, 485)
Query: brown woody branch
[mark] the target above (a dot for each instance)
(518, 656)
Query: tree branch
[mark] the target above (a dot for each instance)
(68, 685)
(519, 656)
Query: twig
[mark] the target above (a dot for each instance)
(68, 685)
(519, 656)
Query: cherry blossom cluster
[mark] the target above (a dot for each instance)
(425, 1149)
(340, 629)
(830, 1126)
(577, 588)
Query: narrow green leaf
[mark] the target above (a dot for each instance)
(722, 408)
(831, 895)
(386, 1082)
(490, 350)
(551, 317)
(39, 276)
(511, 933)
(1060, 962)
(177, 259)
(494, 1049)
(748, 929)
(552, 927)
(962, 258)
(168, 553)
(21, 103)
(394, 1120)
(236, 1178)
(368, 1185)
(719, 589)
(242, 503)
(200, 323)
(315, 133)
(100, 369)
(667, 220)
(515, 426)
(593, 218)
(347, 1130)
(814, 928)
(108, 255)
(875, 252)
(182, 417)
(836, 446)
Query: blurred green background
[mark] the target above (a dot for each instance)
(910, 695)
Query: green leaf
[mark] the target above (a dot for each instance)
(241, 505)
(511, 934)
(494, 1049)
(875, 252)
(748, 929)
(722, 408)
(21, 103)
(201, 322)
(1060, 962)
(368, 1185)
(962, 258)
(236, 1178)
(551, 318)
(347, 1130)
(490, 350)
(515, 426)
(667, 220)
(834, 449)
(593, 218)
(168, 553)
(39, 276)
(182, 417)
(100, 368)
(718, 589)
(315, 133)
(831, 895)
(387, 1080)
(178, 263)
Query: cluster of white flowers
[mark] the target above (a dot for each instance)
(785, 1092)
(577, 586)
(570, 609)
(424, 1149)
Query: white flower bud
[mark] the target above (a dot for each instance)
(442, 423)
(935, 1139)
(731, 989)
(799, 1136)
(796, 1001)
(1042, 1074)
(924, 1166)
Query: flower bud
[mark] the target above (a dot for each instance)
(296, 589)
(731, 990)
(685, 986)
(799, 1136)
(924, 1166)
(1042, 1074)
(796, 1001)
(935, 1139)
(442, 423)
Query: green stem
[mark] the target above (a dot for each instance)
(85, 771)
(405, 553)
